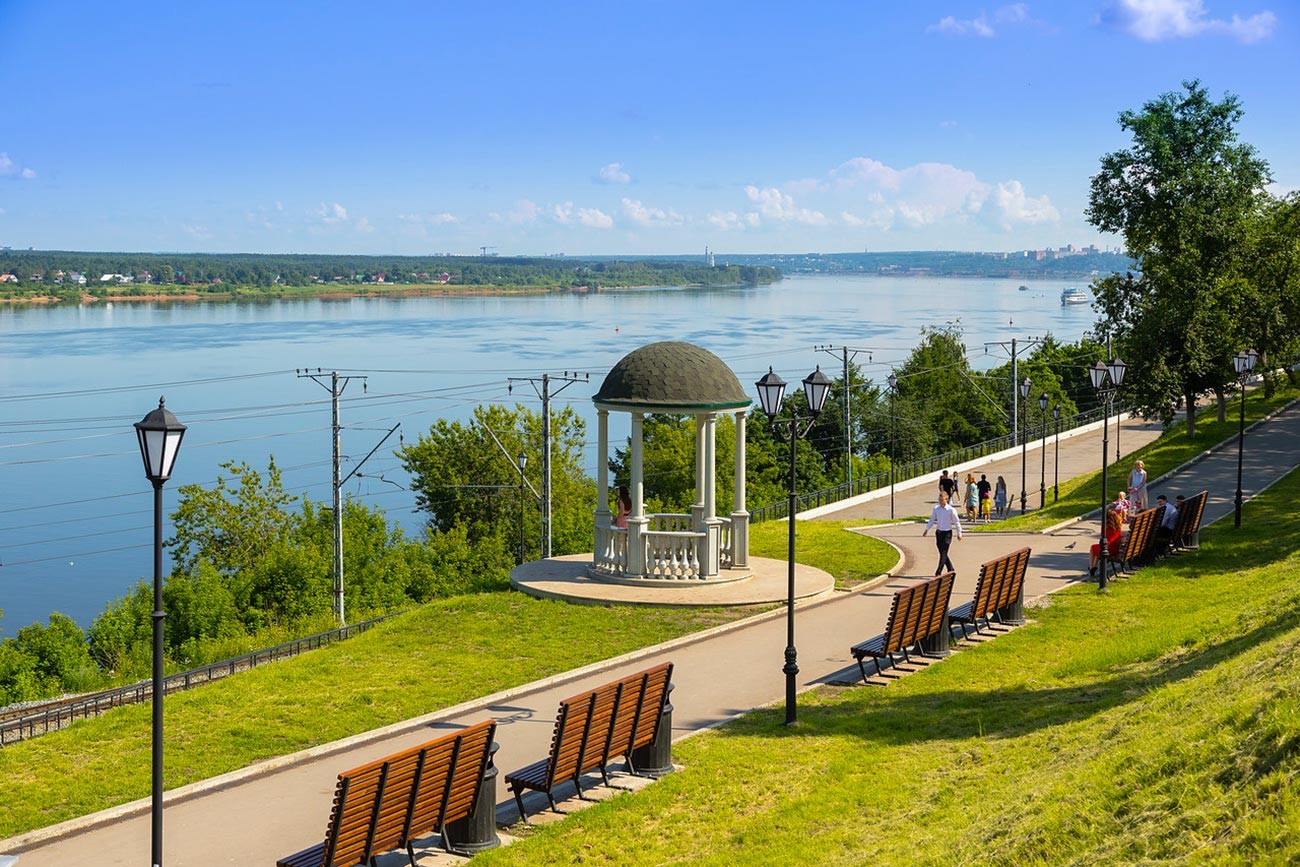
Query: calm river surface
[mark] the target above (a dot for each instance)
(75, 508)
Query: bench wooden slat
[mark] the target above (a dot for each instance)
(916, 613)
(1000, 584)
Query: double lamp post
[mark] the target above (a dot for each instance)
(1243, 363)
(1106, 379)
(771, 392)
(160, 437)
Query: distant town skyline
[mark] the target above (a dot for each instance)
(592, 129)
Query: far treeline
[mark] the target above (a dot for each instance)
(1040, 264)
(1220, 273)
(64, 274)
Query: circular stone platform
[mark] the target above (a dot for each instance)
(566, 578)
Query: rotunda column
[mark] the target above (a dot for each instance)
(711, 556)
(739, 510)
(697, 508)
(604, 534)
(636, 524)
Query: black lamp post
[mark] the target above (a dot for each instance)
(160, 436)
(1243, 363)
(771, 391)
(1024, 441)
(1042, 476)
(521, 461)
(1056, 461)
(893, 392)
(1098, 374)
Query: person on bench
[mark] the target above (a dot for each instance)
(1114, 525)
(1165, 532)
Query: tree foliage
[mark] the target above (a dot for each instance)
(1183, 197)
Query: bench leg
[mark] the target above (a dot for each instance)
(519, 802)
(577, 784)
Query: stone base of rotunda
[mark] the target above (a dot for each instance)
(763, 583)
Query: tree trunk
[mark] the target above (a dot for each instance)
(1221, 398)
(1190, 401)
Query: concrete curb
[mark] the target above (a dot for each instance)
(930, 478)
(278, 763)
(1185, 465)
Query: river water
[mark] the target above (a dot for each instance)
(75, 508)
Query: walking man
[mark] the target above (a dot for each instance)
(945, 520)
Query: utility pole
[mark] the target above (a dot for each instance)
(847, 354)
(542, 385)
(335, 384)
(1015, 347)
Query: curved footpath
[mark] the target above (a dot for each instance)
(259, 814)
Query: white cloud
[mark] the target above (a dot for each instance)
(363, 226)
(9, 167)
(524, 211)
(1158, 20)
(200, 233)
(866, 193)
(567, 213)
(963, 27)
(1007, 206)
(614, 173)
(643, 215)
(331, 214)
(439, 219)
(984, 25)
(773, 204)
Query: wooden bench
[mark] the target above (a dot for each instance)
(1000, 584)
(593, 728)
(386, 804)
(917, 613)
(1188, 523)
(1136, 546)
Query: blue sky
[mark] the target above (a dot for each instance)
(595, 128)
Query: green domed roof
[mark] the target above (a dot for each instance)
(672, 376)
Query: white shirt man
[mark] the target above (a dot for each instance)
(946, 521)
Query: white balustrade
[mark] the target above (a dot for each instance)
(725, 549)
(611, 550)
(673, 554)
(668, 522)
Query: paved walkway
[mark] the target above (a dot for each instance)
(718, 676)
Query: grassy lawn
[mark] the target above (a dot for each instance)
(436, 656)
(851, 557)
(1082, 494)
(1158, 722)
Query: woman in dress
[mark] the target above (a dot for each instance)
(1000, 496)
(1113, 529)
(1137, 486)
(972, 497)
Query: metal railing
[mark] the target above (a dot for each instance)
(903, 472)
(59, 714)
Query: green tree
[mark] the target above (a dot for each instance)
(1182, 196)
(59, 653)
(231, 524)
(461, 478)
(1273, 268)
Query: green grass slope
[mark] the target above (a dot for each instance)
(1156, 723)
(436, 656)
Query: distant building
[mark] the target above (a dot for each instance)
(8, 278)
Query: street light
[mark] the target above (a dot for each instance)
(1024, 440)
(771, 391)
(1042, 476)
(1056, 468)
(893, 392)
(521, 461)
(1243, 362)
(160, 436)
(1098, 375)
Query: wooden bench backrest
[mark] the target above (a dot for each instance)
(999, 583)
(389, 825)
(355, 798)
(917, 612)
(1141, 534)
(651, 707)
(1197, 510)
(448, 783)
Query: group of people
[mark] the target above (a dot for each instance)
(1128, 502)
(982, 499)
